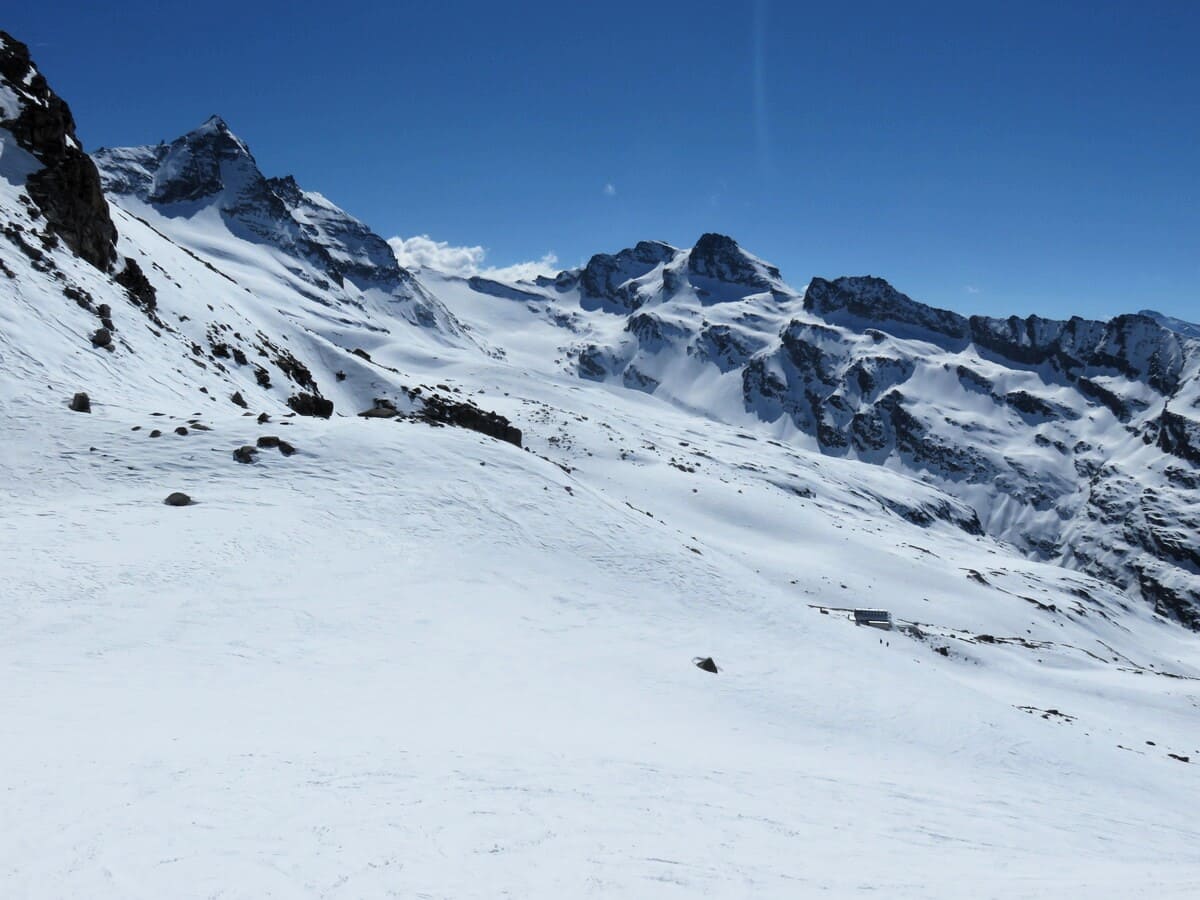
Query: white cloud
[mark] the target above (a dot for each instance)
(971, 289)
(525, 271)
(423, 252)
(610, 190)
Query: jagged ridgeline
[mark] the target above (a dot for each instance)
(1078, 441)
(180, 269)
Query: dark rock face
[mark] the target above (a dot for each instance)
(1134, 345)
(719, 257)
(726, 347)
(606, 276)
(137, 285)
(311, 405)
(81, 403)
(444, 411)
(68, 189)
(178, 498)
(238, 399)
(652, 332)
(595, 363)
(1179, 436)
(874, 300)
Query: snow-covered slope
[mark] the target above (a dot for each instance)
(387, 659)
(1187, 329)
(1077, 442)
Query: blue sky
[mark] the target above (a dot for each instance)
(996, 158)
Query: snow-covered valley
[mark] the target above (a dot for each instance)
(405, 659)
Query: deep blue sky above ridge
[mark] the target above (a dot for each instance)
(996, 158)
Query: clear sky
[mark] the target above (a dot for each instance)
(991, 157)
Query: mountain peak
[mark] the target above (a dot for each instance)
(1179, 326)
(718, 256)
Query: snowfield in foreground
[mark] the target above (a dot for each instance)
(410, 661)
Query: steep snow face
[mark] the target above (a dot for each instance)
(1187, 329)
(208, 179)
(1077, 441)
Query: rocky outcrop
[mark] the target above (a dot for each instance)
(1179, 436)
(67, 189)
(137, 285)
(305, 404)
(873, 300)
(719, 257)
(444, 411)
(610, 277)
(1135, 346)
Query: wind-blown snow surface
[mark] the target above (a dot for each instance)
(414, 661)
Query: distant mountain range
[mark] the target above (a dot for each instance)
(1077, 442)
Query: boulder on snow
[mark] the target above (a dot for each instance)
(383, 409)
(239, 399)
(706, 663)
(270, 440)
(178, 498)
(311, 405)
(102, 337)
(263, 418)
(81, 403)
(245, 454)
